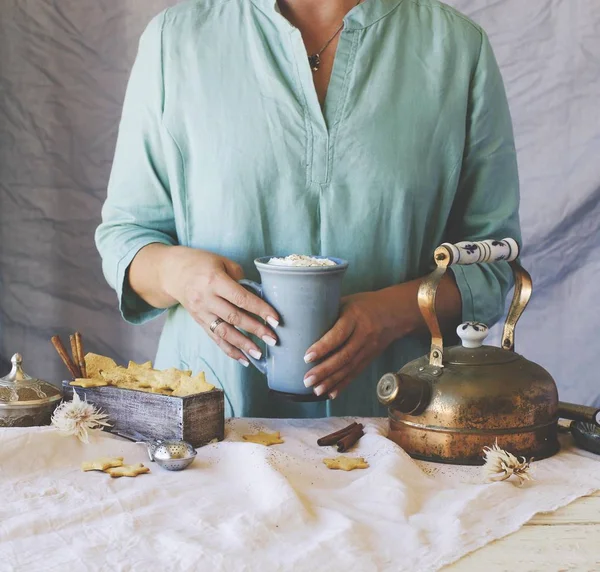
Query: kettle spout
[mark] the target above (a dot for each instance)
(404, 393)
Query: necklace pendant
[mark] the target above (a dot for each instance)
(315, 62)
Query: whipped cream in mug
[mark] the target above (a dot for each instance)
(301, 260)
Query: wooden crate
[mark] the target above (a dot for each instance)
(197, 419)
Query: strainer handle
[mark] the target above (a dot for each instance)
(139, 439)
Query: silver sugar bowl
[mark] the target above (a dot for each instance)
(25, 401)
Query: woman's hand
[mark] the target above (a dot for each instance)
(365, 328)
(369, 322)
(205, 284)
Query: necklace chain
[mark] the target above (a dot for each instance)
(314, 60)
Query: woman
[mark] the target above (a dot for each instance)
(371, 131)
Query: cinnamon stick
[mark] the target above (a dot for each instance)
(347, 442)
(75, 355)
(62, 352)
(80, 355)
(333, 438)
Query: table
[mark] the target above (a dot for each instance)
(246, 506)
(568, 539)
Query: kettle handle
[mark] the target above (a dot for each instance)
(464, 253)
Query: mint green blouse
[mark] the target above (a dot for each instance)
(223, 146)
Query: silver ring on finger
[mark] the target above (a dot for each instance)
(216, 324)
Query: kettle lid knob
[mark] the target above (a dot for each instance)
(472, 334)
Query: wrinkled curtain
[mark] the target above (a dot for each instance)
(63, 69)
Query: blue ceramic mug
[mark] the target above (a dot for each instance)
(307, 299)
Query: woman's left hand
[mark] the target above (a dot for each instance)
(367, 325)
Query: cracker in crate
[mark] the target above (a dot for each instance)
(104, 371)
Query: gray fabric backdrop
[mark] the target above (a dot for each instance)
(63, 69)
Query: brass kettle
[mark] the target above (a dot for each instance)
(447, 406)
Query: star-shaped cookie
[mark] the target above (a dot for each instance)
(191, 385)
(102, 464)
(262, 438)
(139, 366)
(127, 471)
(92, 382)
(344, 463)
(95, 363)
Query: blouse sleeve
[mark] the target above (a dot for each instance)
(487, 201)
(138, 210)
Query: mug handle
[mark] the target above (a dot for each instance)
(259, 364)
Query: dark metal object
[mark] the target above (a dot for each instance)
(586, 436)
(583, 413)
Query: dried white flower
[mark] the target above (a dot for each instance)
(77, 417)
(500, 465)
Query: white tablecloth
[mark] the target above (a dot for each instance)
(246, 507)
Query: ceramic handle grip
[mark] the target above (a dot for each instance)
(465, 253)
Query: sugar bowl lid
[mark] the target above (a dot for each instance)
(19, 389)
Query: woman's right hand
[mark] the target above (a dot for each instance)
(205, 284)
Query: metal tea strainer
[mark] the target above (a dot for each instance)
(172, 455)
